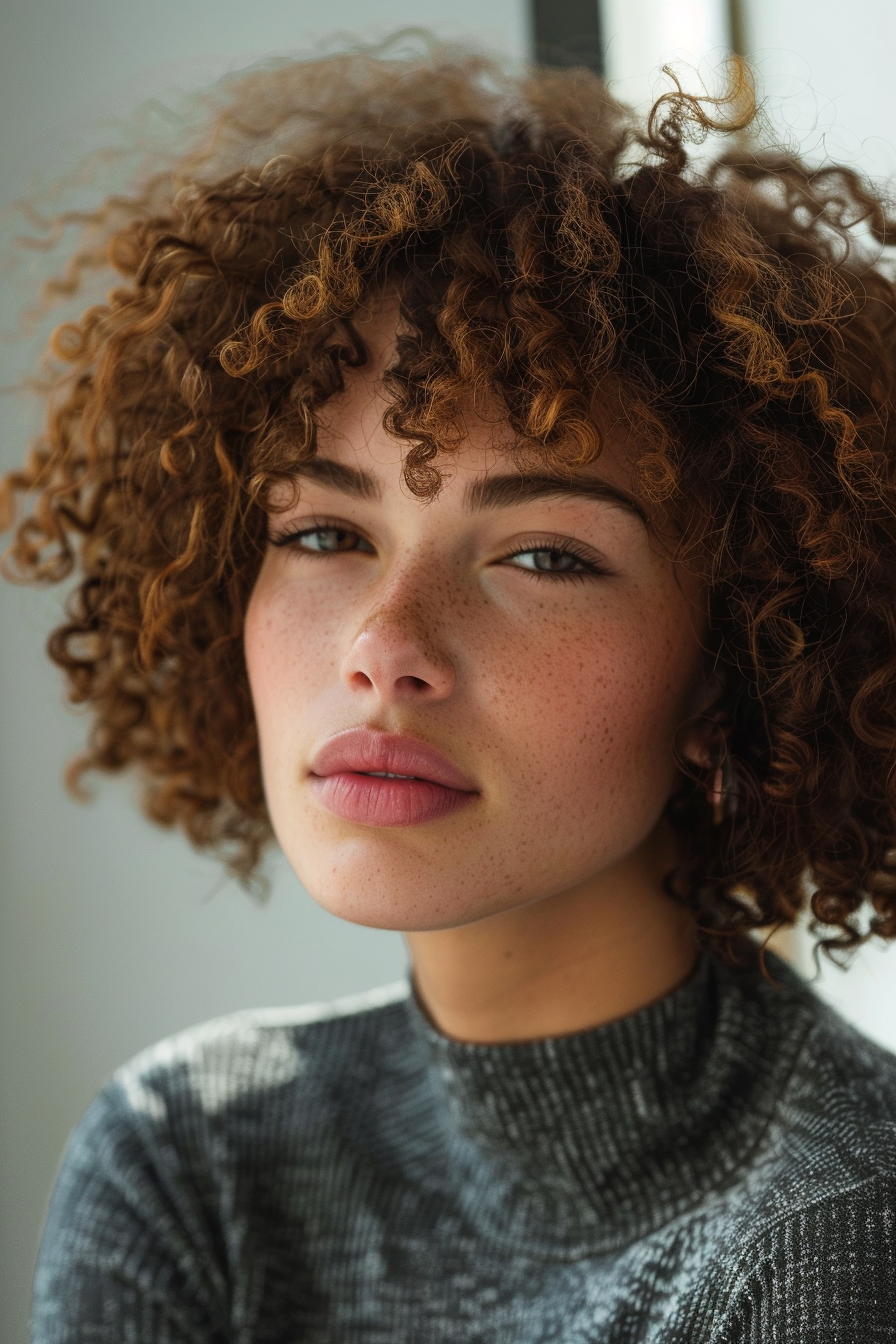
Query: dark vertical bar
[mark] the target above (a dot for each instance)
(568, 32)
(737, 27)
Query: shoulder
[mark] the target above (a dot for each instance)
(229, 1095)
(163, 1165)
(810, 1253)
(831, 1134)
(817, 1097)
(835, 1128)
(821, 1272)
(216, 1097)
(231, 1061)
(824, 1113)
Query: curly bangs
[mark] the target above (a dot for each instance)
(542, 241)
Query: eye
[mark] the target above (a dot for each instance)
(324, 540)
(548, 562)
(555, 561)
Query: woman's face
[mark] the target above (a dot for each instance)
(521, 656)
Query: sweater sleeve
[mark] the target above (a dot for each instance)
(129, 1253)
(824, 1274)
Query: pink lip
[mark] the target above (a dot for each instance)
(341, 778)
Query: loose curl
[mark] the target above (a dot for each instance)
(544, 243)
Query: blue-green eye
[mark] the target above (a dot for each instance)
(550, 561)
(325, 540)
(556, 562)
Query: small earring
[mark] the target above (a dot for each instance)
(716, 796)
(722, 794)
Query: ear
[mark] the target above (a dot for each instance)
(706, 692)
(697, 738)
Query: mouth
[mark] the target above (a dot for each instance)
(385, 779)
(384, 774)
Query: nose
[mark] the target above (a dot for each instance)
(396, 655)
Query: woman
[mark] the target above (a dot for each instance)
(499, 511)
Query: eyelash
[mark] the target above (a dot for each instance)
(314, 525)
(591, 568)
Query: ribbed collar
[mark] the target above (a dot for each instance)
(580, 1144)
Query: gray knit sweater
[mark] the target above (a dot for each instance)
(719, 1166)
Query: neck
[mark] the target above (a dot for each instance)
(573, 960)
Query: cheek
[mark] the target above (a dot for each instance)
(289, 640)
(592, 713)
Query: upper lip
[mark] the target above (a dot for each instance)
(363, 750)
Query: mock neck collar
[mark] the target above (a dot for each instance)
(578, 1144)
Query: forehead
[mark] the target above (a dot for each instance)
(351, 428)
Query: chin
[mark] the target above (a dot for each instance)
(395, 906)
(393, 891)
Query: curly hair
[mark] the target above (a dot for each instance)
(543, 241)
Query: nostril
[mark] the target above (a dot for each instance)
(390, 664)
(412, 683)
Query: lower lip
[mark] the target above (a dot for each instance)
(373, 801)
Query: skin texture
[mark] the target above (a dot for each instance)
(536, 909)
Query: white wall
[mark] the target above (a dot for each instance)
(827, 71)
(641, 36)
(113, 933)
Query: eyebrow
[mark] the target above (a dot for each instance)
(348, 480)
(501, 492)
(491, 492)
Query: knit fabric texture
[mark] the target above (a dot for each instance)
(718, 1167)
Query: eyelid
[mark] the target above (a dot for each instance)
(564, 545)
(593, 560)
(313, 523)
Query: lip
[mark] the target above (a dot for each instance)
(346, 776)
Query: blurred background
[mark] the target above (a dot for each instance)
(113, 933)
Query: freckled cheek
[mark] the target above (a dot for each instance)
(600, 707)
(292, 652)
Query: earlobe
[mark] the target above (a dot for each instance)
(694, 742)
(701, 743)
(701, 738)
